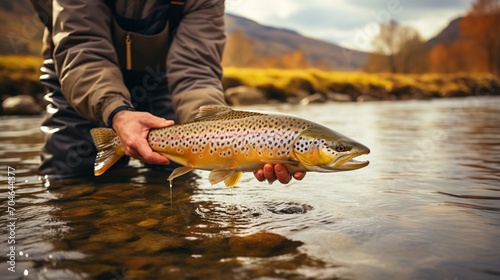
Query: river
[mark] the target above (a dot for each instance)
(427, 207)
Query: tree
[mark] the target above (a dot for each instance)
(482, 24)
(398, 48)
(239, 50)
(457, 56)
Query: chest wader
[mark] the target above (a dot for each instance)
(69, 150)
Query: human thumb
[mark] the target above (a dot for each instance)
(156, 122)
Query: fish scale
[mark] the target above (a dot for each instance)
(228, 142)
(240, 138)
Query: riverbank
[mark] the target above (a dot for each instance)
(313, 84)
(19, 76)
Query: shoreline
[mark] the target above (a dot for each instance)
(246, 86)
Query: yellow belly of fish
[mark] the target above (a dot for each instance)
(222, 158)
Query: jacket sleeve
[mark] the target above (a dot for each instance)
(85, 58)
(194, 70)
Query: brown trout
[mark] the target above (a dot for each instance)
(228, 142)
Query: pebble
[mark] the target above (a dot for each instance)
(148, 223)
(117, 233)
(260, 244)
(153, 243)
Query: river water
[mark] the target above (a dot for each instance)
(427, 207)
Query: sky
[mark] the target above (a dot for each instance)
(350, 23)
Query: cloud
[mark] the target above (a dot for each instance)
(350, 23)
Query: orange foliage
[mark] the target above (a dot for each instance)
(457, 56)
(478, 48)
(482, 24)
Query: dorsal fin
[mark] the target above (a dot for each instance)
(212, 111)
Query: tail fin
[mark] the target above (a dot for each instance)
(109, 149)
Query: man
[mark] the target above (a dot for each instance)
(122, 64)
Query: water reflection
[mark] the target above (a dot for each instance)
(426, 207)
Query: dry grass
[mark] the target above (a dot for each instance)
(380, 85)
(19, 75)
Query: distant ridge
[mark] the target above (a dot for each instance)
(271, 41)
(448, 34)
(17, 17)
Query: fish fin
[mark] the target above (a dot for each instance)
(212, 111)
(179, 172)
(109, 149)
(286, 161)
(232, 180)
(308, 158)
(218, 175)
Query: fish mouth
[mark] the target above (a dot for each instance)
(352, 164)
(347, 162)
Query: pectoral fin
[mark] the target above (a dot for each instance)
(179, 172)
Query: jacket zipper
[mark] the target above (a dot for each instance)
(128, 50)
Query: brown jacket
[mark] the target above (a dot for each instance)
(88, 66)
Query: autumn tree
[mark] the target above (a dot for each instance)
(482, 24)
(239, 50)
(457, 56)
(293, 60)
(398, 49)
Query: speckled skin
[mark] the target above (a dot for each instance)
(229, 142)
(238, 140)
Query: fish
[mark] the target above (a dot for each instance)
(228, 142)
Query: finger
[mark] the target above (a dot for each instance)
(299, 175)
(259, 175)
(269, 173)
(156, 122)
(149, 156)
(282, 174)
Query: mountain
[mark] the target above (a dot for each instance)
(448, 34)
(22, 33)
(270, 41)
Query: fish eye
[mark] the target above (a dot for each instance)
(341, 147)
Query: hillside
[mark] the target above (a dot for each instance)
(270, 41)
(23, 32)
(448, 34)
(22, 35)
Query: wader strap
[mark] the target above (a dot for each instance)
(175, 14)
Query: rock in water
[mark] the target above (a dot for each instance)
(21, 105)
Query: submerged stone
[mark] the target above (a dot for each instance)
(153, 243)
(261, 244)
(148, 223)
(118, 233)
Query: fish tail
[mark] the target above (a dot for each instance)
(109, 149)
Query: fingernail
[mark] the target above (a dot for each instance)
(268, 169)
(279, 168)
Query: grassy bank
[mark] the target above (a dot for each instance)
(19, 75)
(382, 86)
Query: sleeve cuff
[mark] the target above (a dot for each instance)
(114, 107)
(113, 113)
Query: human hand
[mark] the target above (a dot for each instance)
(133, 128)
(271, 172)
